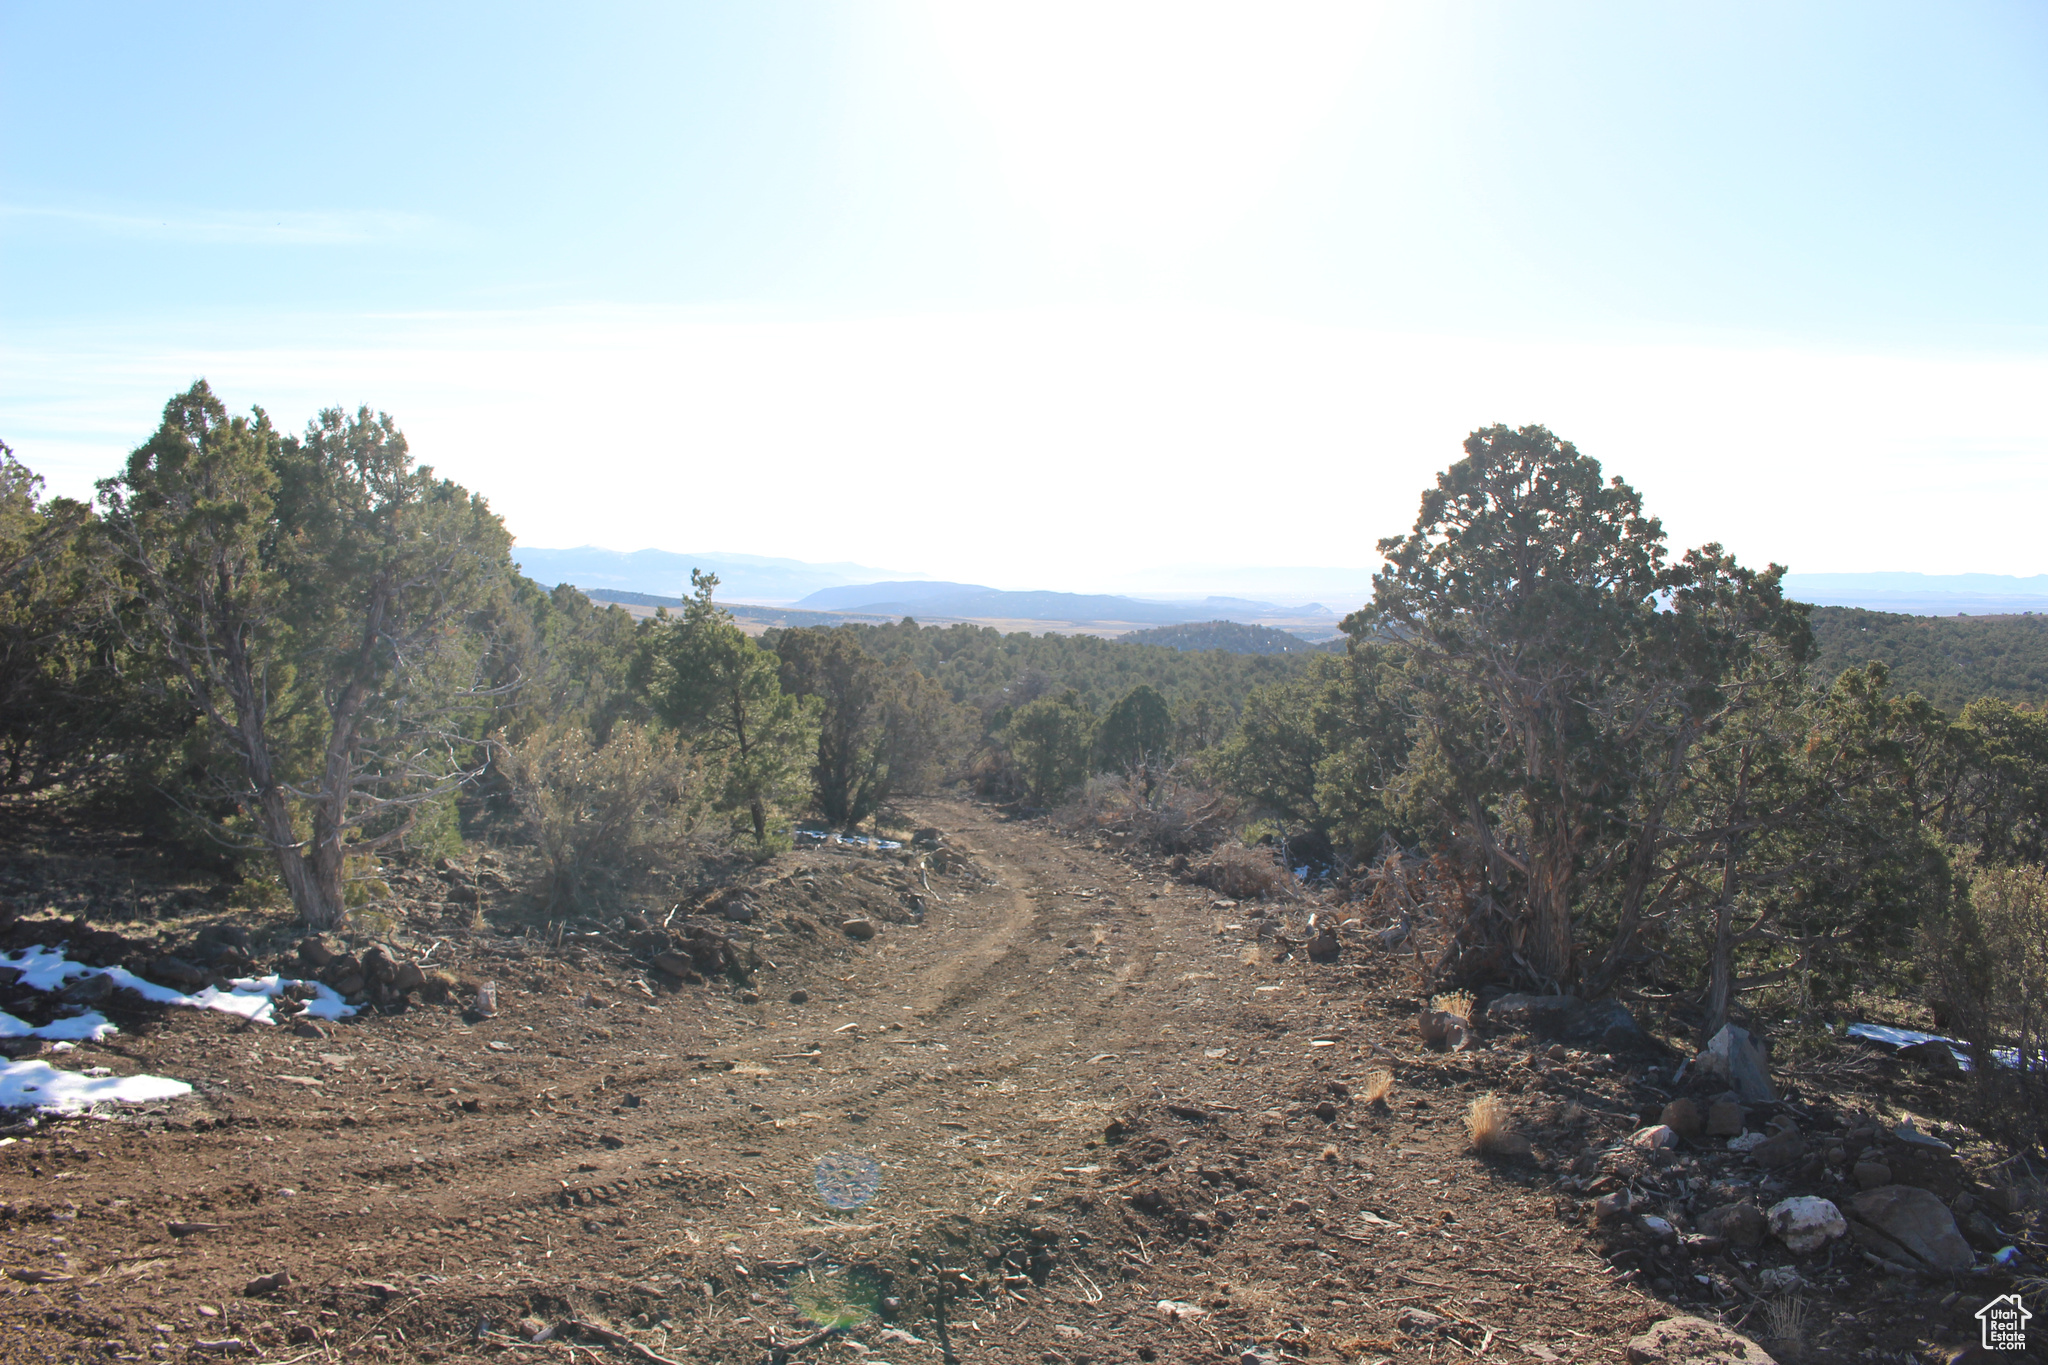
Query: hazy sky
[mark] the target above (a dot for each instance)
(1043, 294)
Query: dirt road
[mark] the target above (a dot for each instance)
(1085, 1097)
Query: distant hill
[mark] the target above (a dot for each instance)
(971, 601)
(1922, 594)
(1232, 636)
(1950, 660)
(758, 616)
(744, 577)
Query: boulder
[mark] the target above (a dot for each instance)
(378, 964)
(1782, 1148)
(1726, 1118)
(1738, 1059)
(1918, 1221)
(861, 929)
(1742, 1225)
(1531, 1011)
(407, 977)
(1871, 1174)
(1935, 1054)
(176, 973)
(1913, 1137)
(1806, 1223)
(675, 964)
(1655, 1136)
(1695, 1341)
(1682, 1116)
(1603, 1026)
(88, 990)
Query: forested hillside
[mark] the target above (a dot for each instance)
(1950, 660)
(1233, 636)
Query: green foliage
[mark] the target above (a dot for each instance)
(721, 692)
(68, 708)
(1950, 660)
(1051, 739)
(995, 673)
(1988, 960)
(307, 599)
(1234, 636)
(1136, 733)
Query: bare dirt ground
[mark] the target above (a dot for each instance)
(1109, 1122)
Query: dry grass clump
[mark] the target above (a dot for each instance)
(1378, 1085)
(1243, 874)
(1458, 1002)
(1492, 1128)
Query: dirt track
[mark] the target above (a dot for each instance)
(647, 1165)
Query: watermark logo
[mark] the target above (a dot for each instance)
(2005, 1323)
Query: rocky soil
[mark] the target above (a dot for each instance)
(1010, 1096)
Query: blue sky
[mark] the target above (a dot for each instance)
(1050, 295)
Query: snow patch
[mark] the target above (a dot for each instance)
(251, 998)
(38, 1085)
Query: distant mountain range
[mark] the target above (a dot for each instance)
(975, 601)
(1921, 594)
(753, 578)
(862, 588)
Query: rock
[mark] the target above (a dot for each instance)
(1982, 1233)
(861, 929)
(799, 997)
(1934, 1054)
(1726, 1118)
(1443, 1027)
(1324, 947)
(316, 953)
(1746, 1142)
(1918, 1221)
(1420, 1322)
(306, 1028)
(88, 990)
(267, 1284)
(409, 977)
(1656, 1136)
(176, 973)
(1780, 1279)
(378, 964)
(340, 967)
(1742, 1225)
(347, 986)
(738, 912)
(1603, 1025)
(1806, 1222)
(1531, 1011)
(1660, 1228)
(1737, 1058)
(927, 838)
(1694, 1341)
(1611, 1208)
(1682, 1116)
(1780, 1149)
(635, 922)
(1913, 1137)
(1871, 1174)
(675, 964)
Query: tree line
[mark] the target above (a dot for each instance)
(312, 650)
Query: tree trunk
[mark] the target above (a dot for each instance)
(1550, 907)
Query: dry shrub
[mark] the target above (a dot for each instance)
(1378, 1085)
(1457, 1002)
(1492, 1128)
(1988, 960)
(600, 814)
(1174, 817)
(1243, 874)
(1452, 932)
